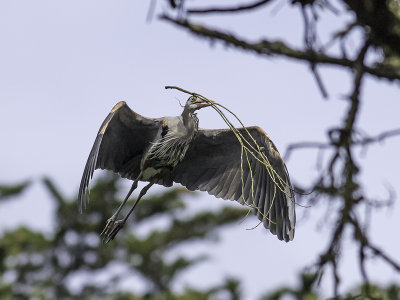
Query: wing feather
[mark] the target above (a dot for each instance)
(203, 181)
(120, 142)
(269, 210)
(258, 183)
(218, 182)
(257, 172)
(233, 184)
(212, 164)
(259, 196)
(251, 174)
(226, 179)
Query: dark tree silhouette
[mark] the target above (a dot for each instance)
(35, 265)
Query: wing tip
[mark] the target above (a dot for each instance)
(80, 207)
(287, 235)
(83, 200)
(260, 130)
(118, 106)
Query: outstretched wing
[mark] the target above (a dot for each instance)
(119, 145)
(213, 164)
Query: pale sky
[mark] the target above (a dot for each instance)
(64, 64)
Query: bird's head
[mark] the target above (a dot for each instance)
(194, 103)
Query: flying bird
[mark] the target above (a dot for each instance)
(173, 149)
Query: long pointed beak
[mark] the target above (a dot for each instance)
(201, 105)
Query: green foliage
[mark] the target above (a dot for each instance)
(34, 265)
(374, 292)
(37, 265)
(8, 191)
(307, 290)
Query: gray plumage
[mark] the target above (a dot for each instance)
(173, 149)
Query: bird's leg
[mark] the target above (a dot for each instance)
(111, 221)
(117, 225)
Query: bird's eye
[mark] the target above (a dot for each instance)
(194, 99)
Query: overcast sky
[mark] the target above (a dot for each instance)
(64, 64)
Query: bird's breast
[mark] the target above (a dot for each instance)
(166, 152)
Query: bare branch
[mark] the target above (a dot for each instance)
(354, 97)
(361, 236)
(380, 137)
(322, 146)
(318, 79)
(303, 145)
(239, 8)
(385, 257)
(150, 12)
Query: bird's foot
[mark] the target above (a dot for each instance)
(111, 230)
(108, 228)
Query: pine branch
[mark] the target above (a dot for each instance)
(269, 48)
(7, 191)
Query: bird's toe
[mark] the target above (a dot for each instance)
(111, 233)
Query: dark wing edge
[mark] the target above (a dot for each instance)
(120, 141)
(212, 164)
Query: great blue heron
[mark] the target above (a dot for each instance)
(173, 149)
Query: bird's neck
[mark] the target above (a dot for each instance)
(190, 120)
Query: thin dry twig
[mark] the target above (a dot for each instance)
(302, 145)
(379, 138)
(239, 8)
